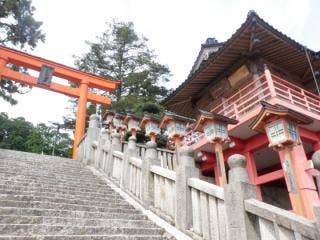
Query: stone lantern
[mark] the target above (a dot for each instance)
(118, 123)
(151, 125)
(281, 126)
(108, 116)
(215, 128)
(132, 123)
(175, 126)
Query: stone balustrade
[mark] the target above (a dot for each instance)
(175, 193)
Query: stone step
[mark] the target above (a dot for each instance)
(13, 154)
(41, 164)
(53, 170)
(45, 172)
(17, 219)
(45, 198)
(54, 182)
(103, 189)
(69, 213)
(56, 190)
(63, 206)
(43, 229)
(84, 237)
(74, 180)
(66, 178)
(110, 198)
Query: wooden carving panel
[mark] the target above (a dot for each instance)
(238, 75)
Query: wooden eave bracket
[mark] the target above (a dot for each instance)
(269, 111)
(204, 116)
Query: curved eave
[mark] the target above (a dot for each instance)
(232, 51)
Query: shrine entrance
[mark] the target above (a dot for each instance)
(47, 69)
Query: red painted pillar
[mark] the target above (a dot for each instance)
(305, 188)
(216, 175)
(81, 117)
(252, 172)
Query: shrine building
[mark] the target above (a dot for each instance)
(260, 85)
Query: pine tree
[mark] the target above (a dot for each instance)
(19, 29)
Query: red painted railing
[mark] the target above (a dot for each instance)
(245, 99)
(265, 87)
(296, 95)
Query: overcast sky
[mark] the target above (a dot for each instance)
(175, 30)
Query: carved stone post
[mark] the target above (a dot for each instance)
(105, 150)
(115, 146)
(130, 152)
(99, 154)
(186, 169)
(239, 225)
(92, 135)
(316, 165)
(147, 187)
(317, 213)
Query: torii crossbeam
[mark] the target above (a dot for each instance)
(85, 81)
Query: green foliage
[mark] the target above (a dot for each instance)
(120, 53)
(20, 134)
(17, 28)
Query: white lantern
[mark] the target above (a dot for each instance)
(118, 123)
(152, 128)
(282, 132)
(109, 118)
(133, 125)
(214, 131)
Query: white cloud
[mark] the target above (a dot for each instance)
(175, 30)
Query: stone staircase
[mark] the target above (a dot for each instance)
(44, 197)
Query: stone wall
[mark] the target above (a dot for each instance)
(200, 209)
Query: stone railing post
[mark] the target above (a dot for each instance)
(92, 135)
(186, 169)
(130, 152)
(317, 213)
(115, 146)
(239, 224)
(105, 150)
(147, 187)
(80, 151)
(99, 154)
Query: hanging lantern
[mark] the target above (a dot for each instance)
(151, 125)
(280, 124)
(214, 126)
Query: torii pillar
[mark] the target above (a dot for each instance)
(47, 69)
(80, 116)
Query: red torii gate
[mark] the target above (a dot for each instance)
(49, 69)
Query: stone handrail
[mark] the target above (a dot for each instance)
(82, 139)
(117, 165)
(198, 208)
(275, 223)
(164, 192)
(208, 188)
(163, 172)
(137, 162)
(134, 184)
(208, 210)
(167, 157)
